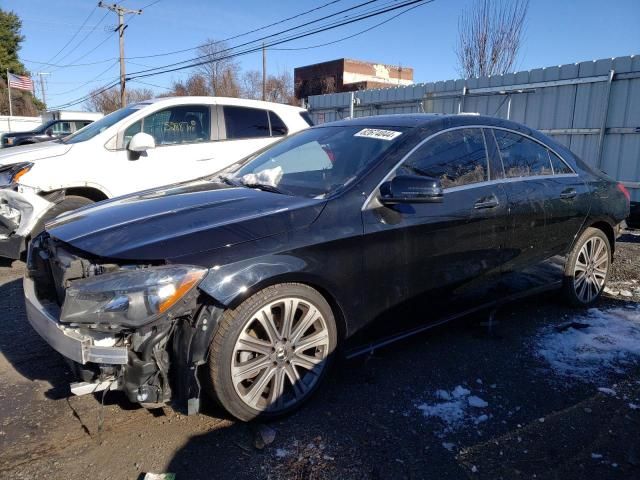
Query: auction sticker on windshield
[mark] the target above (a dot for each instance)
(378, 133)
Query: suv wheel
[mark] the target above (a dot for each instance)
(271, 352)
(587, 268)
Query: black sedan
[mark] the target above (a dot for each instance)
(246, 283)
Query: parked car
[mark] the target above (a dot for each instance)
(248, 281)
(47, 131)
(145, 145)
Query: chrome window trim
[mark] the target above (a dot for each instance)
(372, 195)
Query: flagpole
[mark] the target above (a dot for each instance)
(10, 105)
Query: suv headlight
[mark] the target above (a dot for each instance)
(10, 174)
(130, 298)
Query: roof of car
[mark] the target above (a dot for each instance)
(422, 119)
(244, 102)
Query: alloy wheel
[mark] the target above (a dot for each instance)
(280, 354)
(591, 267)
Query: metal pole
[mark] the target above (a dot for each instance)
(508, 106)
(351, 102)
(44, 96)
(121, 12)
(10, 105)
(462, 97)
(264, 73)
(123, 93)
(605, 114)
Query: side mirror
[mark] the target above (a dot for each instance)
(141, 142)
(411, 189)
(49, 132)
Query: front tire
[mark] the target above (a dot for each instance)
(587, 268)
(70, 203)
(271, 352)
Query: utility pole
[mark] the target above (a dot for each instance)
(121, 11)
(264, 72)
(44, 96)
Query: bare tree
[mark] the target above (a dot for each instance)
(490, 37)
(194, 85)
(279, 88)
(252, 85)
(109, 100)
(221, 73)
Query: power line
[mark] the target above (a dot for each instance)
(81, 42)
(74, 35)
(355, 34)
(94, 79)
(194, 62)
(165, 69)
(69, 65)
(264, 27)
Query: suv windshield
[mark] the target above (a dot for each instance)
(101, 125)
(318, 161)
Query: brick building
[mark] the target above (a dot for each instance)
(345, 75)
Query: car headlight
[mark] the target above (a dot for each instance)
(10, 140)
(130, 298)
(10, 174)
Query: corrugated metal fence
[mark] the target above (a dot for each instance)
(591, 107)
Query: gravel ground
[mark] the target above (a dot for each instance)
(456, 402)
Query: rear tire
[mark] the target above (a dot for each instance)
(587, 268)
(272, 352)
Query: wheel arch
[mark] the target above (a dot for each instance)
(314, 281)
(607, 229)
(89, 192)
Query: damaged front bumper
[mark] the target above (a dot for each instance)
(153, 364)
(20, 211)
(68, 341)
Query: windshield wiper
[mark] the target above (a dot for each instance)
(266, 187)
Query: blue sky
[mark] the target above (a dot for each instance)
(557, 32)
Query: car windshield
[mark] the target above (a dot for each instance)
(101, 125)
(317, 161)
(43, 128)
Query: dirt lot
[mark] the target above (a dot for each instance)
(550, 392)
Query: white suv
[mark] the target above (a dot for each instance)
(141, 146)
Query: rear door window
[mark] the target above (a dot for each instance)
(243, 122)
(456, 158)
(521, 156)
(559, 167)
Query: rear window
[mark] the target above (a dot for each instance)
(242, 122)
(307, 118)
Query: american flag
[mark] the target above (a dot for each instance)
(21, 82)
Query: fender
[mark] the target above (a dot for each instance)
(228, 284)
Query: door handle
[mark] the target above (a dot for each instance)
(487, 202)
(568, 193)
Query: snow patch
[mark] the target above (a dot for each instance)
(455, 409)
(592, 344)
(477, 402)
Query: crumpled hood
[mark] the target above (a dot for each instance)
(181, 220)
(35, 151)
